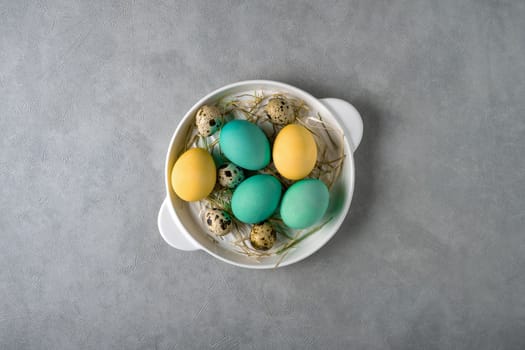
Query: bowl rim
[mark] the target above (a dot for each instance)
(349, 157)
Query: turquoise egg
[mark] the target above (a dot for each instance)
(304, 203)
(245, 144)
(256, 198)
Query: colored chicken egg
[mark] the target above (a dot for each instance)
(294, 152)
(193, 176)
(245, 144)
(256, 198)
(304, 203)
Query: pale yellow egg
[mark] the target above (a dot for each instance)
(294, 152)
(193, 175)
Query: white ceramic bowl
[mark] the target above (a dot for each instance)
(181, 229)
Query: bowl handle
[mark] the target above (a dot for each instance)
(169, 230)
(349, 117)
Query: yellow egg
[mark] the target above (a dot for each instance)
(193, 175)
(294, 152)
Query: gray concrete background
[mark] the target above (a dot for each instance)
(432, 255)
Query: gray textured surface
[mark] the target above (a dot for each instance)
(432, 255)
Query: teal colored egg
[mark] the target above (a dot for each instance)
(304, 203)
(245, 144)
(256, 198)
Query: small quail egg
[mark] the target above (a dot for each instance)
(263, 236)
(280, 111)
(230, 175)
(218, 221)
(208, 120)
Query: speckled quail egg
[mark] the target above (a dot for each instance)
(218, 221)
(208, 120)
(263, 236)
(230, 175)
(280, 111)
